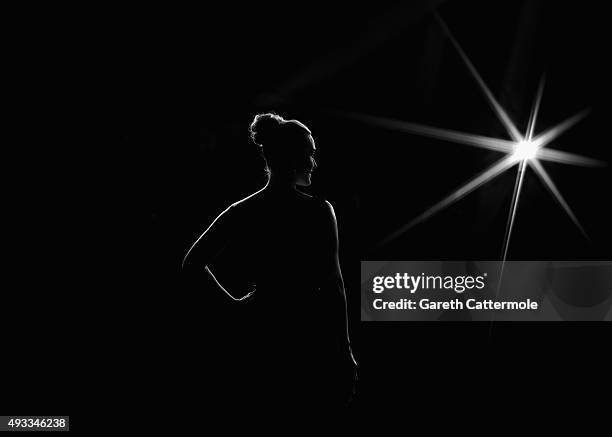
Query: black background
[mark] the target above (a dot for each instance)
(201, 79)
(171, 91)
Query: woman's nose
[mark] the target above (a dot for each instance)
(314, 163)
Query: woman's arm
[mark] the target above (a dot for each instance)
(334, 280)
(209, 245)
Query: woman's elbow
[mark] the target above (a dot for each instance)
(191, 263)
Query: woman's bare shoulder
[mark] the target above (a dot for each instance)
(248, 201)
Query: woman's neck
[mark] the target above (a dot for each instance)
(278, 183)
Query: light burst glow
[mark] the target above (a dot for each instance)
(522, 150)
(525, 150)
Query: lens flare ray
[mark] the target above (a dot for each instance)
(545, 138)
(484, 177)
(534, 111)
(497, 144)
(513, 207)
(553, 155)
(540, 171)
(499, 111)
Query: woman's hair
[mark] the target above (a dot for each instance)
(282, 142)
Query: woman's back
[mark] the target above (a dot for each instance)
(284, 243)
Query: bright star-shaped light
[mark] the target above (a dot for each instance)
(522, 150)
(525, 150)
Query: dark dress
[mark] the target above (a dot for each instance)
(292, 345)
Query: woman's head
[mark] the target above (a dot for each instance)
(286, 145)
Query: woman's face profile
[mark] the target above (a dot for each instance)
(306, 164)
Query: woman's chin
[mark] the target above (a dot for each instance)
(304, 182)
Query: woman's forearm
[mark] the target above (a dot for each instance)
(345, 325)
(246, 296)
(341, 314)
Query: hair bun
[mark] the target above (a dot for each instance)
(265, 127)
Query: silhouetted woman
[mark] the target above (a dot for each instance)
(298, 347)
